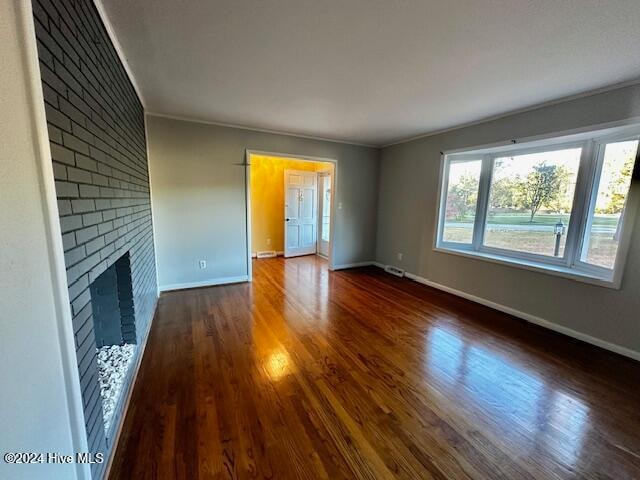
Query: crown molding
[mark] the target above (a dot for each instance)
(255, 129)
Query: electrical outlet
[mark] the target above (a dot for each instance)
(399, 256)
(268, 241)
(202, 264)
(339, 205)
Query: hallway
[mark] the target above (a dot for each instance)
(306, 373)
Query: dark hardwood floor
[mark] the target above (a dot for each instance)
(358, 374)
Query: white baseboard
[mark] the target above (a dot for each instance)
(352, 265)
(125, 407)
(205, 283)
(612, 347)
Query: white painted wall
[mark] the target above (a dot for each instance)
(198, 197)
(38, 402)
(407, 218)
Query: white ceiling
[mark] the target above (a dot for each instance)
(370, 71)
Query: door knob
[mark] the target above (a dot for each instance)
(287, 219)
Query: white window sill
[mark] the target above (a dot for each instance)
(556, 270)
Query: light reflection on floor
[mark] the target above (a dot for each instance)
(317, 299)
(514, 397)
(277, 364)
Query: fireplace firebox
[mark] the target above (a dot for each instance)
(112, 305)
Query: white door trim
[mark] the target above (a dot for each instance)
(334, 183)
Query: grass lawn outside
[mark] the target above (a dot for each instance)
(515, 232)
(539, 219)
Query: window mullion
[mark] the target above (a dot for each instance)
(483, 201)
(585, 186)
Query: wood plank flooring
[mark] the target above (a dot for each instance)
(311, 374)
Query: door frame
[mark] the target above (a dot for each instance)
(334, 183)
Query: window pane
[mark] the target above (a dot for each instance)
(461, 201)
(326, 207)
(603, 227)
(530, 201)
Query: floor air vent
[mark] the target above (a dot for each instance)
(398, 272)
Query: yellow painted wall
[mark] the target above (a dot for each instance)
(267, 198)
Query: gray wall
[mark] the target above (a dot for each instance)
(36, 407)
(198, 196)
(97, 139)
(409, 177)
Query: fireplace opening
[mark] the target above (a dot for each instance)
(112, 305)
(115, 332)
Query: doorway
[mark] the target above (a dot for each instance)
(307, 211)
(289, 206)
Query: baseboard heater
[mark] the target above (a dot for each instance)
(398, 272)
(267, 254)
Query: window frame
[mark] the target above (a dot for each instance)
(570, 264)
(599, 146)
(443, 200)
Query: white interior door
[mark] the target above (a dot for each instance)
(300, 212)
(324, 212)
